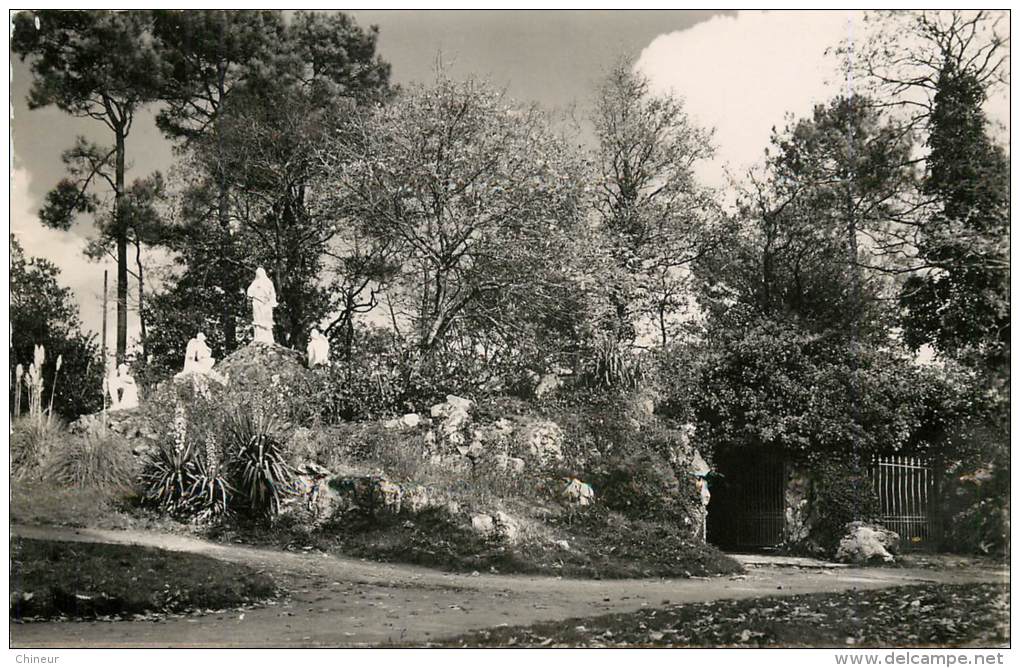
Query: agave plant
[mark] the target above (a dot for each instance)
(169, 475)
(210, 490)
(258, 467)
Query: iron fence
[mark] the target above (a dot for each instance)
(905, 487)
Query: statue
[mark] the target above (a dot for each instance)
(197, 356)
(123, 390)
(317, 350)
(263, 301)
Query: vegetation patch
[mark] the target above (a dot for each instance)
(911, 616)
(53, 579)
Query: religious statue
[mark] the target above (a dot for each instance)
(197, 356)
(318, 349)
(263, 301)
(123, 390)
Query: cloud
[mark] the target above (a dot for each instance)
(64, 249)
(741, 74)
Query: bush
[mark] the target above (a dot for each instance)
(31, 443)
(975, 507)
(214, 453)
(639, 485)
(843, 493)
(99, 461)
(257, 464)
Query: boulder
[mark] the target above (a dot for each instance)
(373, 495)
(865, 542)
(408, 421)
(498, 525)
(507, 527)
(483, 524)
(547, 384)
(452, 417)
(543, 441)
(578, 492)
(417, 498)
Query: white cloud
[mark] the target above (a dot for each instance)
(64, 249)
(740, 74)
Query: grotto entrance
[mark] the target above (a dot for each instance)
(747, 510)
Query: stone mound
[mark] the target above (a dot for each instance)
(259, 365)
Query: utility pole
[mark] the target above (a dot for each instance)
(106, 273)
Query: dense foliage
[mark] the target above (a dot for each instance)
(44, 313)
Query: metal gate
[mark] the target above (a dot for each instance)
(905, 489)
(747, 508)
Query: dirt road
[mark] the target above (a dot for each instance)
(335, 601)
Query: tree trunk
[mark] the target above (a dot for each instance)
(122, 241)
(226, 251)
(141, 299)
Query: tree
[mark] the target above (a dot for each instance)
(812, 222)
(206, 55)
(481, 202)
(938, 68)
(656, 218)
(249, 122)
(960, 302)
(904, 54)
(44, 313)
(100, 65)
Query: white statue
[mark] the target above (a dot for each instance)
(317, 350)
(263, 301)
(123, 390)
(197, 356)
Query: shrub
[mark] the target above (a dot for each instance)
(184, 481)
(99, 461)
(975, 507)
(843, 493)
(257, 462)
(31, 443)
(639, 484)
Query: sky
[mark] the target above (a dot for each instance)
(738, 73)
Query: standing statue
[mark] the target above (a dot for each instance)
(318, 349)
(197, 356)
(123, 390)
(263, 301)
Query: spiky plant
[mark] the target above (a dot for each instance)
(259, 469)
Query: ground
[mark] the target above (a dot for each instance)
(929, 615)
(61, 579)
(336, 601)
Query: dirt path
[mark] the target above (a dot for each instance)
(337, 601)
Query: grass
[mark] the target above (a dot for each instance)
(599, 545)
(910, 616)
(62, 579)
(51, 504)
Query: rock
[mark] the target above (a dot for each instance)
(506, 527)
(544, 442)
(408, 421)
(452, 507)
(579, 492)
(865, 542)
(547, 384)
(452, 416)
(483, 524)
(562, 544)
(517, 465)
(373, 495)
(387, 496)
(259, 366)
(417, 498)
